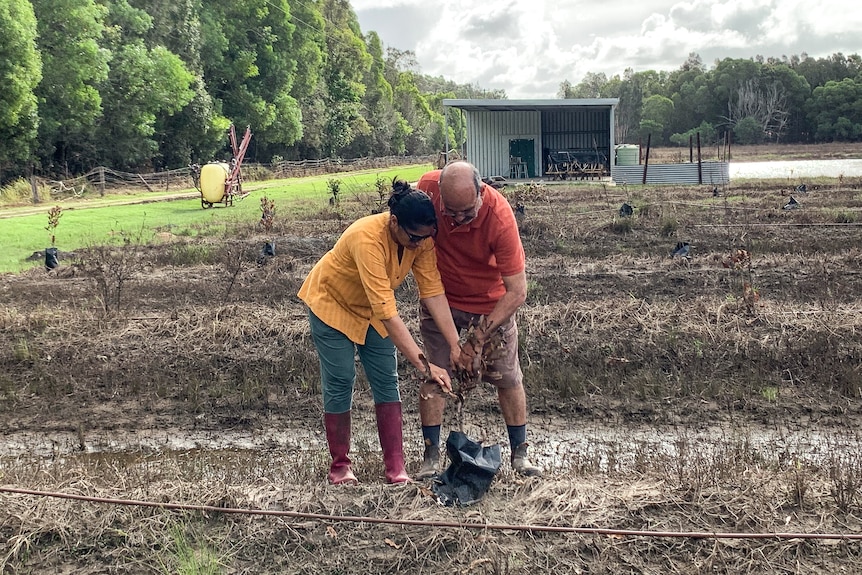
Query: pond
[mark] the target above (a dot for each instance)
(797, 169)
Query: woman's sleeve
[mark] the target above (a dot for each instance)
(371, 265)
(426, 273)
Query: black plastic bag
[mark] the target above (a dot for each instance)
(52, 258)
(470, 473)
(266, 252)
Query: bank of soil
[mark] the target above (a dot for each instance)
(714, 393)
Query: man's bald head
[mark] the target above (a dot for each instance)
(461, 191)
(460, 183)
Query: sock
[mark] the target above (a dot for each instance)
(431, 434)
(517, 435)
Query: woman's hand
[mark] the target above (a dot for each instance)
(440, 376)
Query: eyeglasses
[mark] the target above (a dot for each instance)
(464, 216)
(415, 239)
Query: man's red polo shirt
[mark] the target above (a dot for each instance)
(474, 257)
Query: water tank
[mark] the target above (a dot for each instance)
(213, 177)
(628, 154)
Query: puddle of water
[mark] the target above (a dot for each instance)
(59, 444)
(795, 170)
(623, 450)
(554, 446)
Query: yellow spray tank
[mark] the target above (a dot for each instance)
(213, 178)
(221, 182)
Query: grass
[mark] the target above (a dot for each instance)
(79, 227)
(189, 556)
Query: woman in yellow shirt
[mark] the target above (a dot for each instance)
(350, 294)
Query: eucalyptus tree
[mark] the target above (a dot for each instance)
(346, 64)
(453, 119)
(592, 85)
(768, 94)
(565, 89)
(308, 88)
(788, 121)
(425, 124)
(198, 130)
(434, 90)
(388, 129)
(633, 90)
(73, 67)
(20, 72)
(835, 111)
(687, 88)
(818, 71)
(726, 84)
(425, 133)
(400, 61)
(655, 119)
(143, 83)
(249, 68)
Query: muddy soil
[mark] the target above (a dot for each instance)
(718, 392)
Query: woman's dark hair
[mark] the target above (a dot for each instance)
(413, 208)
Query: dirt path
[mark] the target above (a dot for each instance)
(72, 204)
(134, 199)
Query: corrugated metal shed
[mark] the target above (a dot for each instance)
(710, 173)
(499, 130)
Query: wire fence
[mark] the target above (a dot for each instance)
(102, 180)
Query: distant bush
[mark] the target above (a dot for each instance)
(707, 135)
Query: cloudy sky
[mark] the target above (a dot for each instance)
(528, 47)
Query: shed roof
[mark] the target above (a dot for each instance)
(522, 105)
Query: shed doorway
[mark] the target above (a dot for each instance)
(526, 150)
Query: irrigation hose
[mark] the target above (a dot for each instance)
(440, 524)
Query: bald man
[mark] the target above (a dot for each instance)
(482, 265)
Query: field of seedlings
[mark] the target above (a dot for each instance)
(692, 362)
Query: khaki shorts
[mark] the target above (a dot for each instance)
(438, 350)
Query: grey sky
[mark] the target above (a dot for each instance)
(528, 47)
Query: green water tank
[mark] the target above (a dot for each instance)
(628, 154)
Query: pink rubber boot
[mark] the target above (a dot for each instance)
(390, 433)
(338, 437)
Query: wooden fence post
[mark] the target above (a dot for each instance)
(646, 157)
(34, 188)
(699, 165)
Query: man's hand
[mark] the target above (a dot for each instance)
(455, 358)
(470, 356)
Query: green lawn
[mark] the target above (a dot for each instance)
(83, 224)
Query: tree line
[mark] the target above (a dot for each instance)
(154, 84)
(757, 100)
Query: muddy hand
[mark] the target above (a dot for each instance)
(455, 358)
(471, 357)
(440, 376)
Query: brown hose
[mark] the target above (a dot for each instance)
(441, 524)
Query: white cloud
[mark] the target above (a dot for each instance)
(528, 47)
(362, 5)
